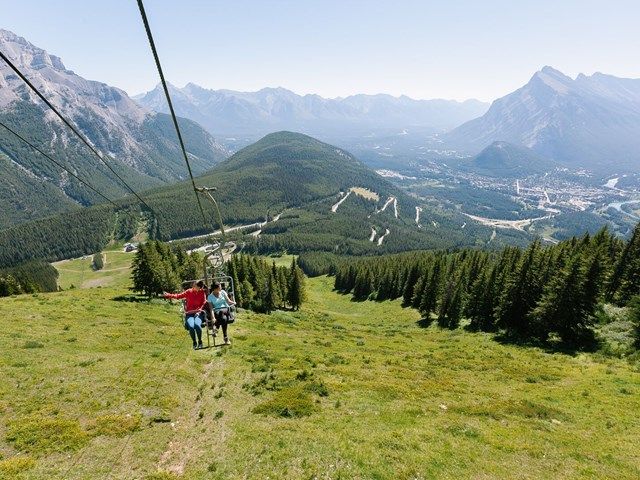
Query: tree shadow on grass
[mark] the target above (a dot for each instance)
(424, 322)
(587, 342)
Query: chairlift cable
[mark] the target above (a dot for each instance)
(72, 128)
(172, 111)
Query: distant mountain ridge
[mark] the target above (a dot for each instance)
(228, 112)
(141, 145)
(590, 121)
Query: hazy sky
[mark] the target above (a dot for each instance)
(425, 49)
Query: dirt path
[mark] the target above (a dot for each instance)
(186, 446)
(508, 224)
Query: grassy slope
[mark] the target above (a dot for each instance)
(403, 401)
(79, 273)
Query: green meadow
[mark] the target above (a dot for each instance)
(94, 385)
(79, 273)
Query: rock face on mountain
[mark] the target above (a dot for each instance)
(227, 112)
(141, 145)
(591, 121)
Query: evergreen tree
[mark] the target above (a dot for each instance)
(247, 294)
(430, 291)
(147, 270)
(9, 286)
(271, 300)
(416, 298)
(450, 306)
(410, 284)
(634, 318)
(596, 266)
(481, 302)
(625, 279)
(385, 287)
(521, 293)
(297, 294)
(363, 285)
(283, 283)
(561, 308)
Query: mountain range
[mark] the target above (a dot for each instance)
(227, 112)
(140, 145)
(590, 121)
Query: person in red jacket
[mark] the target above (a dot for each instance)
(195, 302)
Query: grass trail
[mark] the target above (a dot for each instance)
(79, 272)
(95, 388)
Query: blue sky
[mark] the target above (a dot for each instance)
(425, 49)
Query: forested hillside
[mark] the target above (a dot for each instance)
(535, 294)
(68, 235)
(29, 277)
(141, 146)
(505, 160)
(321, 196)
(281, 170)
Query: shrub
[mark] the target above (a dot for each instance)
(292, 402)
(11, 467)
(44, 435)
(98, 261)
(318, 387)
(115, 425)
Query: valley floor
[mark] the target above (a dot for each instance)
(94, 387)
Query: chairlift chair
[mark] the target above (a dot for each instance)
(216, 255)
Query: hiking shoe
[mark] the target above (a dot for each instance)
(195, 346)
(200, 345)
(227, 341)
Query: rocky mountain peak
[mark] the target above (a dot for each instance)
(19, 49)
(554, 79)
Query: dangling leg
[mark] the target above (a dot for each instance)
(191, 327)
(224, 314)
(198, 328)
(221, 322)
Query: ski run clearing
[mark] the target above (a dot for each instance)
(373, 234)
(418, 211)
(389, 201)
(334, 209)
(360, 191)
(369, 195)
(381, 239)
